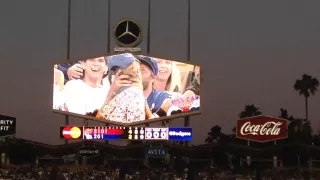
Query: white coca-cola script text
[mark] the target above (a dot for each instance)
(268, 128)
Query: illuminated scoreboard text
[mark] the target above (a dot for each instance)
(126, 133)
(104, 133)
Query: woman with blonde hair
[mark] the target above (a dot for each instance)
(168, 78)
(58, 77)
(58, 83)
(128, 103)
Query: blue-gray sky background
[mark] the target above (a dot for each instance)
(251, 53)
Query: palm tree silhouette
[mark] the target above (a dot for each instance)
(214, 134)
(284, 114)
(249, 111)
(306, 86)
(298, 129)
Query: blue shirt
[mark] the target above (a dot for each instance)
(156, 99)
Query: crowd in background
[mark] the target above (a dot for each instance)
(134, 173)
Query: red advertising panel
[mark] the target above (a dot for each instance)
(71, 132)
(262, 128)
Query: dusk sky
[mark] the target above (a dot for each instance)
(251, 52)
(258, 50)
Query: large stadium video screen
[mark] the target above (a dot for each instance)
(126, 89)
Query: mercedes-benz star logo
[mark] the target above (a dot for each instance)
(128, 33)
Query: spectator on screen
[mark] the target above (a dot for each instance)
(195, 85)
(128, 104)
(71, 71)
(149, 70)
(58, 78)
(58, 83)
(75, 70)
(87, 94)
(168, 77)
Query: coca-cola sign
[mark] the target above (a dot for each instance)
(262, 128)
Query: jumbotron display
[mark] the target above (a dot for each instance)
(126, 133)
(126, 89)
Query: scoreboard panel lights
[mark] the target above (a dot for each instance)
(156, 134)
(102, 133)
(136, 133)
(126, 133)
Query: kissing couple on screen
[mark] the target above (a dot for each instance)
(129, 103)
(117, 88)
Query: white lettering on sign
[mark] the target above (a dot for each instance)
(156, 152)
(6, 122)
(268, 128)
(89, 151)
(4, 128)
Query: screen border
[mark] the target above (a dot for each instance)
(172, 117)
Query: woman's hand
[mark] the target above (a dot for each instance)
(119, 82)
(167, 103)
(154, 115)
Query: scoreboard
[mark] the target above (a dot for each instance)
(126, 133)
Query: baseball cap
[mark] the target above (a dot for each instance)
(120, 60)
(151, 62)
